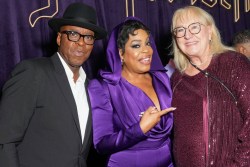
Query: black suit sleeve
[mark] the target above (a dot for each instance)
(8, 155)
(16, 108)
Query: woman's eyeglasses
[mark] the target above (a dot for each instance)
(193, 28)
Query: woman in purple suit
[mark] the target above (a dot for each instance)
(131, 101)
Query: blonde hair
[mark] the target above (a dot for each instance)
(216, 45)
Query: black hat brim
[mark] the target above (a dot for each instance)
(56, 23)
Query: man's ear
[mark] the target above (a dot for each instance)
(242, 50)
(58, 39)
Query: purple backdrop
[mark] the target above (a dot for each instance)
(21, 41)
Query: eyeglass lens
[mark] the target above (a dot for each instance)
(193, 28)
(75, 37)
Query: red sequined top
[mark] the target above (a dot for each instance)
(209, 128)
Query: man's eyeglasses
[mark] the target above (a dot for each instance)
(193, 28)
(75, 37)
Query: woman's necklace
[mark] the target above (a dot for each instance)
(204, 62)
(198, 64)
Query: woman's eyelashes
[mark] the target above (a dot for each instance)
(148, 43)
(135, 45)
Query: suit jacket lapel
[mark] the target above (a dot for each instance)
(88, 132)
(65, 88)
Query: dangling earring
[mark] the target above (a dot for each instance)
(122, 61)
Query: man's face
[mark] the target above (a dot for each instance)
(74, 53)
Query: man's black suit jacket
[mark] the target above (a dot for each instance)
(39, 124)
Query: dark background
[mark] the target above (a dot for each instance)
(19, 40)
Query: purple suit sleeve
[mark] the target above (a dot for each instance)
(109, 137)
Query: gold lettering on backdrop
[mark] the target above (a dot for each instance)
(225, 4)
(210, 3)
(126, 8)
(247, 5)
(133, 8)
(45, 16)
(193, 1)
(236, 10)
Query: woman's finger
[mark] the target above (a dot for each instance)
(165, 111)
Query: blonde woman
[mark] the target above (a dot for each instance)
(211, 90)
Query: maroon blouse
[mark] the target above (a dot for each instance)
(210, 129)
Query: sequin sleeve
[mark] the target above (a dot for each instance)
(241, 78)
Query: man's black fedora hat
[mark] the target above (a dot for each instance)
(80, 15)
